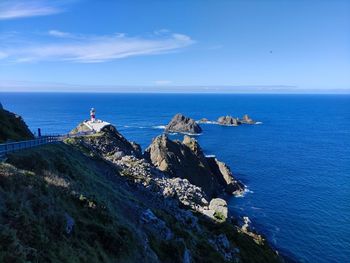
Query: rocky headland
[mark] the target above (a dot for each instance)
(98, 198)
(182, 124)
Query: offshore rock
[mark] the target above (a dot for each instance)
(183, 124)
(229, 121)
(247, 120)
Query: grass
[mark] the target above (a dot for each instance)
(32, 218)
(13, 128)
(40, 186)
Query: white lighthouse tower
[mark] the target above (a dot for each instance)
(92, 115)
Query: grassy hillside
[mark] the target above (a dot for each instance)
(12, 127)
(44, 190)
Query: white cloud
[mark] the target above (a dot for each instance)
(91, 49)
(20, 9)
(57, 33)
(162, 82)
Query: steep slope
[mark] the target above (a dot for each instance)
(73, 202)
(186, 160)
(12, 127)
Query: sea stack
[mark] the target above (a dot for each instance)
(229, 121)
(247, 120)
(183, 124)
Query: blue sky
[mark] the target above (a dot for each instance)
(82, 45)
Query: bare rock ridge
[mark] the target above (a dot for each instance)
(183, 124)
(108, 143)
(186, 160)
(12, 127)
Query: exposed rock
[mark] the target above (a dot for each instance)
(245, 228)
(178, 160)
(142, 172)
(109, 143)
(223, 172)
(219, 206)
(224, 247)
(247, 120)
(155, 225)
(186, 160)
(183, 124)
(203, 120)
(229, 121)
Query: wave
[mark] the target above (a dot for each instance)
(159, 127)
(207, 122)
(134, 127)
(244, 193)
(210, 155)
(258, 122)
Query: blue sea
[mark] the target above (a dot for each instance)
(296, 164)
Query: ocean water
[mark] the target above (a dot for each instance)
(296, 164)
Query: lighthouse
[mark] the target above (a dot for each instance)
(92, 115)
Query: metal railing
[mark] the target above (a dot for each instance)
(9, 147)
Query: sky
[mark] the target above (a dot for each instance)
(175, 45)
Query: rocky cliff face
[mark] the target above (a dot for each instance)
(108, 143)
(12, 127)
(183, 124)
(186, 160)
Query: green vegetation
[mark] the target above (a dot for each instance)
(12, 127)
(59, 181)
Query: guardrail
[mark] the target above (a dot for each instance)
(9, 147)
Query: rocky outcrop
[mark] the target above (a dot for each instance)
(247, 120)
(186, 160)
(109, 143)
(12, 127)
(229, 121)
(203, 120)
(223, 172)
(183, 124)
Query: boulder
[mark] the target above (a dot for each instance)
(219, 206)
(183, 124)
(229, 121)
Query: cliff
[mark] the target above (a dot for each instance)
(76, 201)
(186, 160)
(12, 127)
